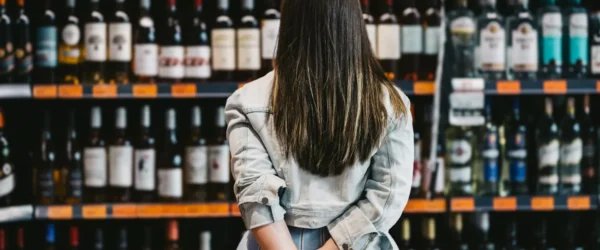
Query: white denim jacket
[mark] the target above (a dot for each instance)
(358, 207)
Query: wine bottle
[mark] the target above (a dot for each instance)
(171, 55)
(429, 234)
(412, 41)
(74, 238)
(95, 45)
(491, 42)
(548, 152)
(196, 169)
(571, 151)
(147, 238)
(46, 46)
(248, 43)
(197, 50)
(523, 43)
(170, 172)
(269, 34)
(432, 21)
(23, 47)
(172, 242)
(223, 44)
(459, 141)
(576, 40)
(551, 26)
(461, 30)
(491, 156)
(95, 161)
(405, 240)
(589, 157)
(7, 179)
(388, 41)
(98, 241)
(517, 152)
(46, 164)
(120, 163)
(456, 231)
(483, 228)
(73, 170)
(145, 161)
(69, 49)
(119, 46)
(218, 160)
(145, 64)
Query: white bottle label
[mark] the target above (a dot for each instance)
(197, 62)
(571, 153)
(548, 154)
(119, 46)
(462, 174)
(524, 48)
(388, 41)
(120, 166)
(218, 160)
(270, 34)
(95, 42)
(145, 167)
(440, 175)
(7, 182)
(412, 39)
(595, 54)
(223, 49)
(248, 49)
(461, 152)
(94, 167)
(170, 63)
(372, 34)
(493, 47)
(170, 182)
(71, 34)
(578, 25)
(196, 165)
(146, 59)
(432, 40)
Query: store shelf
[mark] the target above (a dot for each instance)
(524, 203)
(16, 213)
(15, 91)
(548, 87)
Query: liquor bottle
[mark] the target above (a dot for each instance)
(20, 238)
(412, 42)
(550, 22)
(462, 37)
(517, 152)
(589, 173)
(417, 167)
(7, 179)
(120, 160)
(218, 160)
(23, 47)
(369, 25)
(74, 238)
(205, 240)
(576, 43)
(405, 240)
(95, 162)
(197, 49)
(119, 45)
(523, 43)
(433, 174)
(548, 152)
(429, 238)
(69, 48)
(594, 40)
(482, 221)
(456, 232)
(172, 242)
(571, 151)
(459, 141)
(145, 64)
(98, 241)
(50, 238)
(170, 172)
(431, 25)
(122, 242)
(248, 44)
(223, 44)
(73, 170)
(388, 41)
(491, 156)
(46, 164)
(196, 163)
(95, 45)
(147, 238)
(46, 46)
(491, 42)
(270, 33)
(171, 55)
(145, 161)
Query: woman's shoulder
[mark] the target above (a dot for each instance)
(388, 103)
(253, 95)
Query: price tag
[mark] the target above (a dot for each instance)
(578, 203)
(555, 87)
(144, 90)
(598, 86)
(218, 209)
(196, 210)
(150, 211)
(183, 90)
(542, 203)
(424, 88)
(462, 204)
(505, 204)
(173, 210)
(60, 212)
(124, 211)
(44, 91)
(104, 91)
(436, 206)
(70, 91)
(415, 206)
(508, 87)
(94, 212)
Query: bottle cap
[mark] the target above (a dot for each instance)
(196, 116)
(171, 118)
(96, 118)
(146, 116)
(173, 231)
(145, 4)
(74, 236)
(121, 118)
(220, 117)
(21, 3)
(198, 3)
(405, 229)
(223, 4)
(1, 119)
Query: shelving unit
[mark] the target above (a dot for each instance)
(545, 87)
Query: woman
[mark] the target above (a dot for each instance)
(322, 148)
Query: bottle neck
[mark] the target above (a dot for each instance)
(145, 6)
(248, 6)
(196, 117)
(223, 6)
(21, 5)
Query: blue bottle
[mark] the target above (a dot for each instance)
(517, 152)
(523, 43)
(550, 22)
(491, 155)
(576, 40)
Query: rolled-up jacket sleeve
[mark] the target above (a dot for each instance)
(365, 225)
(256, 182)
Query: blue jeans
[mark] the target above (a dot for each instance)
(304, 239)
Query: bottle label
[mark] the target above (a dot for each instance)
(170, 182)
(197, 62)
(517, 156)
(548, 154)
(460, 174)
(595, 50)
(223, 49)
(218, 158)
(71, 34)
(432, 40)
(46, 47)
(248, 49)
(24, 60)
(412, 39)
(94, 167)
(7, 179)
(146, 59)
(490, 158)
(95, 42)
(120, 166)
(492, 47)
(74, 183)
(45, 178)
(524, 49)
(119, 46)
(270, 34)
(461, 152)
(571, 152)
(578, 39)
(372, 34)
(145, 167)
(552, 38)
(196, 165)
(388, 41)
(416, 181)
(171, 62)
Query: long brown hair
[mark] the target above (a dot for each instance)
(327, 97)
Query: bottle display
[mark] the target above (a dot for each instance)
(69, 48)
(522, 43)
(576, 40)
(462, 34)
(120, 160)
(95, 160)
(269, 30)
(428, 61)
(548, 149)
(551, 24)
(196, 162)
(411, 33)
(145, 160)
(491, 42)
(218, 159)
(170, 162)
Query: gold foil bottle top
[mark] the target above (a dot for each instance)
(457, 222)
(405, 230)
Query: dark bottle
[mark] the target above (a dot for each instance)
(218, 160)
(145, 161)
(171, 55)
(20, 238)
(432, 20)
(7, 63)
(170, 172)
(415, 190)
(575, 40)
(98, 242)
(540, 233)
(482, 241)
(388, 41)
(95, 161)
(462, 36)
(523, 43)
(7, 179)
(456, 231)
(196, 162)
(571, 151)
(145, 64)
(589, 162)
(491, 156)
(491, 42)
(46, 164)
(412, 41)
(405, 240)
(550, 21)
(438, 176)
(223, 44)
(510, 234)
(248, 44)
(50, 239)
(548, 152)
(269, 31)
(172, 242)
(73, 170)
(46, 47)
(121, 239)
(120, 160)
(73, 238)
(69, 49)
(23, 47)
(594, 40)
(147, 238)
(517, 152)
(461, 160)
(95, 45)
(197, 48)
(119, 44)
(429, 234)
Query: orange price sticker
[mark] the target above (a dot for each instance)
(235, 210)
(505, 204)
(508, 87)
(424, 88)
(60, 212)
(196, 210)
(415, 206)
(555, 87)
(124, 211)
(578, 203)
(542, 203)
(173, 210)
(44, 91)
(70, 91)
(183, 90)
(94, 212)
(104, 91)
(462, 204)
(437, 205)
(218, 209)
(145, 90)
(598, 86)
(150, 211)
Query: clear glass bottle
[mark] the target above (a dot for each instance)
(461, 30)
(491, 44)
